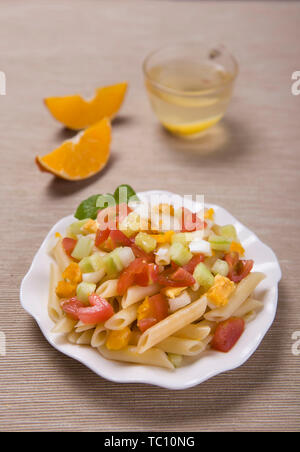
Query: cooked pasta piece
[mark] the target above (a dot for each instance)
(193, 331)
(73, 337)
(241, 293)
(249, 305)
(85, 338)
(171, 324)
(99, 336)
(138, 293)
(108, 289)
(80, 327)
(163, 255)
(153, 357)
(181, 346)
(64, 325)
(61, 258)
(54, 309)
(122, 318)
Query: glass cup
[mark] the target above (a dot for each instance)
(189, 86)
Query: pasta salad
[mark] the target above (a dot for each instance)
(140, 292)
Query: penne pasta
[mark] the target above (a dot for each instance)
(80, 327)
(108, 289)
(193, 331)
(73, 337)
(54, 309)
(61, 258)
(152, 357)
(85, 338)
(171, 324)
(64, 325)
(163, 255)
(249, 305)
(99, 336)
(181, 346)
(138, 293)
(122, 318)
(241, 293)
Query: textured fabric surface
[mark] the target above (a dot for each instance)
(250, 167)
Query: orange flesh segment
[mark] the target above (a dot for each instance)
(77, 113)
(81, 157)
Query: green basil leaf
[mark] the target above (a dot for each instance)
(124, 193)
(104, 201)
(87, 208)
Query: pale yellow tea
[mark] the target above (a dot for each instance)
(189, 97)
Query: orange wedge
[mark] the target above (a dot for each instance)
(83, 156)
(77, 113)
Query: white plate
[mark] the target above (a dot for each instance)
(34, 297)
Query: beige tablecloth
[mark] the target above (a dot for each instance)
(251, 167)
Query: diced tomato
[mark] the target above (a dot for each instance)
(71, 307)
(138, 252)
(153, 271)
(138, 272)
(158, 310)
(144, 324)
(238, 268)
(190, 221)
(119, 238)
(183, 276)
(68, 245)
(100, 310)
(101, 236)
(160, 306)
(125, 281)
(179, 278)
(192, 264)
(227, 334)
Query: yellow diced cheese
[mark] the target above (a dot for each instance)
(118, 339)
(72, 273)
(65, 289)
(172, 292)
(237, 247)
(90, 227)
(221, 290)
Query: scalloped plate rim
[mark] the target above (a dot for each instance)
(172, 382)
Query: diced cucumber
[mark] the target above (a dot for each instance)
(219, 242)
(86, 265)
(180, 237)
(180, 254)
(96, 260)
(84, 290)
(203, 276)
(220, 267)
(83, 248)
(75, 228)
(126, 255)
(175, 359)
(229, 232)
(186, 237)
(110, 266)
(145, 242)
(117, 261)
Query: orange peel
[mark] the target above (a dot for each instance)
(77, 113)
(82, 157)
